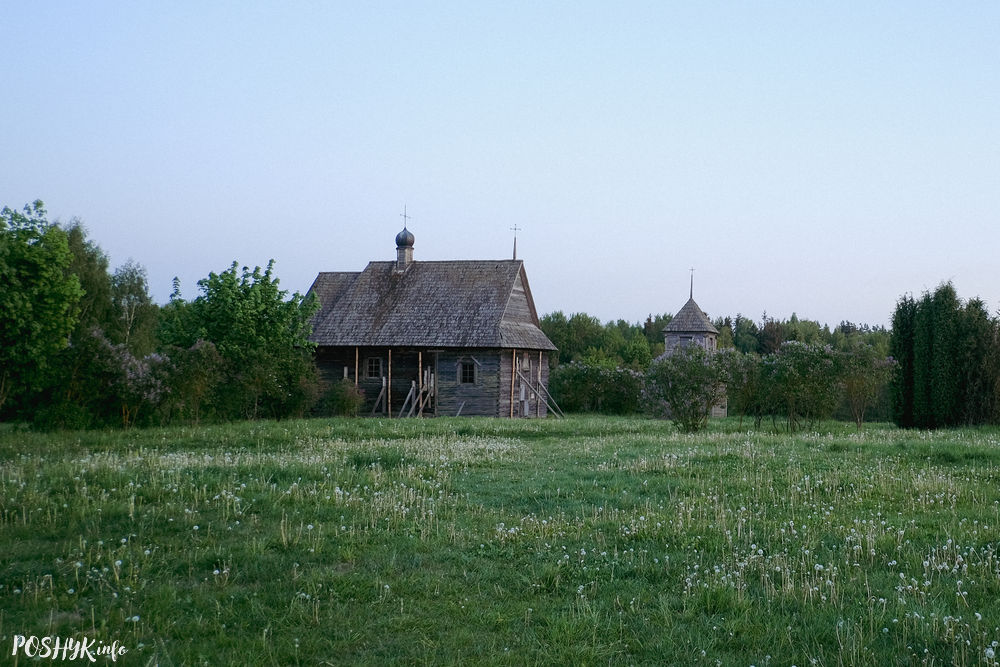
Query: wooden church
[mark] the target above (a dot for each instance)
(434, 337)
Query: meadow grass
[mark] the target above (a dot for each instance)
(589, 540)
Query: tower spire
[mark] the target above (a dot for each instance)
(515, 229)
(692, 283)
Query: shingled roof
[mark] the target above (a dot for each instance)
(467, 304)
(690, 319)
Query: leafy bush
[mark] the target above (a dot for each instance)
(684, 386)
(341, 399)
(62, 416)
(596, 386)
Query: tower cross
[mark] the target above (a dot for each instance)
(515, 229)
(692, 282)
(404, 216)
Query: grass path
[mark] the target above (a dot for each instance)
(584, 541)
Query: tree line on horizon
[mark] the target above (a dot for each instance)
(792, 371)
(84, 346)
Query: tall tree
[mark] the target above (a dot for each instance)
(38, 301)
(864, 373)
(976, 359)
(901, 348)
(135, 314)
(923, 359)
(946, 394)
(90, 265)
(745, 334)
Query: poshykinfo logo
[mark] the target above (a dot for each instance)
(66, 648)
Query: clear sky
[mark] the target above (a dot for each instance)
(821, 158)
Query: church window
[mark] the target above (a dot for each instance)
(467, 372)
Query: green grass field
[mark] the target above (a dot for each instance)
(579, 541)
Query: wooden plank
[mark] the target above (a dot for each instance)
(378, 400)
(409, 396)
(538, 396)
(513, 370)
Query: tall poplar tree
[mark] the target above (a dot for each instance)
(901, 349)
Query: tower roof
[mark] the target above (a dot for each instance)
(691, 319)
(404, 239)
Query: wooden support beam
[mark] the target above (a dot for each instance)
(513, 372)
(380, 399)
(555, 410)
(409, 397)
(538, 396)
(355, 366)
(390, 384)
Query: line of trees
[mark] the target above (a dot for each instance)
(82, 346)
(949, 361)
(581, 337)
(796, 371)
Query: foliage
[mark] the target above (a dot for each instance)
(581, 336)
(105, 385)
(38, 301)
(90, 266)
(949, 371)
(596, 385)
(684, 386)
(261, 335)
(807, 382)
(196, 377)
(902, 349)
(863, 373)
(135, 315)
(740, 373)
(341, 399)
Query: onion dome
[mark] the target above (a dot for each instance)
(404, 239)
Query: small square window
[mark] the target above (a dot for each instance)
(374, 369)
(467, 372)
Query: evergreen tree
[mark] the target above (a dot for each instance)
(946, 394)
(901, 349)
(976, 360)
(923, 356)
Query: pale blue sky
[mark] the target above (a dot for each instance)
(816, 158)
